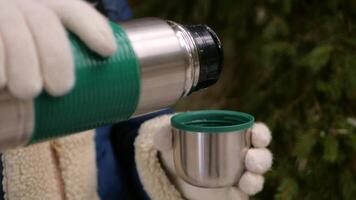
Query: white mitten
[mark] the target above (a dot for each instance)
(161, 182)
(34, 48)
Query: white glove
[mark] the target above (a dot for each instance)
(155, 135)
(34, 48)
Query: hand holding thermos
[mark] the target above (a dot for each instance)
(156, 158)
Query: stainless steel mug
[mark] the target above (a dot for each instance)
(210, 146)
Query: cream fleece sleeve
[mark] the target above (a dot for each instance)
(61, 169)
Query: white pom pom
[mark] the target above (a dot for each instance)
(251, 183)
(258, 160)
(261, 135)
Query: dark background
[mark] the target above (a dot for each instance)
(292, 64)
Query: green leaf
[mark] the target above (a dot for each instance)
(287, 6)
(305, 144)
(287, 190)
(276, 28)
(331, 89)
(351, 141)
(349, 73)
(348, 184)
(274, 52)
(318, 57)
(331, 148)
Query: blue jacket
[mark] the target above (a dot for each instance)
(115, 10)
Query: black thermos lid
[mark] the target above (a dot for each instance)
(210, 54)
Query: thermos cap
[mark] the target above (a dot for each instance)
(210, 54)
(212, 121)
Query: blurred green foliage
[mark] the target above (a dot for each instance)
(293, 65)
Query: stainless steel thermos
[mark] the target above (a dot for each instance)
(158, 62)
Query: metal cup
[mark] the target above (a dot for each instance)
(210, 146)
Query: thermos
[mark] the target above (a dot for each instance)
(157, 63)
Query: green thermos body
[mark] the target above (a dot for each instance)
(157, 63)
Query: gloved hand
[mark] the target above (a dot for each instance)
(34, 48)
(158, 174)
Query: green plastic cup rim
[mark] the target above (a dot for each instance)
(212, 121)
